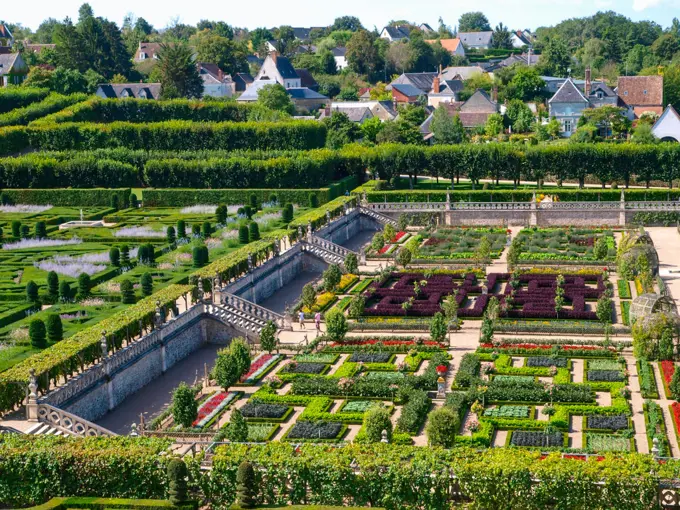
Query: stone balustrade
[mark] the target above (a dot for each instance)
(69, 423)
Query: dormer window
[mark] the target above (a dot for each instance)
(599, 95)
(625, 92)
(142, 94)
(142, 56)
(644, 92)
(124, 94)
(155, 56)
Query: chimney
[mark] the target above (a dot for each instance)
(529, 57)
(274, 55)
(440, 69)
(327, 110)
(494, 94)
(589, 85)
(435, 85)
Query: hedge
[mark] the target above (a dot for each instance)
(12, 98)
(317, 217)
(52, 103)
(109, 504)
(15, 314)
(36, 468)
(66, 197)
(66, 357)
(185, 197)
(143, 111)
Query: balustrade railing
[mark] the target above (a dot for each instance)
(330, 246)
(379, 207)
(69, 423)
(249, 308)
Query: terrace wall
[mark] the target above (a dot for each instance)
(103, 387)
(346, 227)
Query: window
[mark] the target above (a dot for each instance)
(567, 126)
(142, 56)
(599, 95)
(155, 56)
(644, 92)
(625, 92)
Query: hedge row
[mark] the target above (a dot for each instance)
(66, 357)
(171, 135)
(319, 216)
(186, 197)
(38, 468)
(18, 97)
(52, 103)
(140, 110)
(563, 194)
(66, 197)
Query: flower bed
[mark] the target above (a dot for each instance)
(370, 357)
(607, 443)
(624, 289)
(264, 411)
(385, 376)
(568, 244)
(546, 361)
(508, 412)
(212, 407)
(605, 376)
(346, 282)
(304, 368)
(514, 378)
(625, 313)
(317, 358)
(675, 413)
(357, 406)
(318, 430)
(261, 432)
(399, 237)
(361, 286)
(260, 366)
(568, 351)
(536, 439)
(667, 371)
(460, 243)
(647, 379)
(323, 302)
(604, 364)
(617, 422)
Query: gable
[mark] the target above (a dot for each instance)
(668, 125)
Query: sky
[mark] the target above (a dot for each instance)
(515, 14)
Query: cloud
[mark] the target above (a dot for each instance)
(641, 5)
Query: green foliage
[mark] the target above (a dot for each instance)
(178, 474)
(336, 325)
(146, 282)
(64, 291)
(246, 485)
(268, 337)
(226, 371)
(51, 104)
(178, 73)
(275, 98)
(127, 292)
(243, 234)
(674, 385)
(378, 242)
(206, 229)
(442, 427)
(32, 292)
(40, 230)
(356, 307)
(221, 214)
(308, 296)
(37, 333)
(332, 277)
(237, 428)
(114, 256)
(184, 405)
(200, 255)
(604, 309)
(404, 257)
(125, 255)
(53, 285)
(438, 327)
(170, 235)
(473, 22)
(253, 231)
(54, 328)
(377, 419)
(351, 263)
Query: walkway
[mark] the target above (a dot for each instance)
(667, 244)
(291, 292)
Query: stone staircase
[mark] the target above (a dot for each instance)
(243, 315)
(325, 254)
(53, 421)
(46, 429)
(379, 217)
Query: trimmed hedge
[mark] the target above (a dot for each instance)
(52, 103)
(65, 197)
(170, 135)
(12, 98)
(141, 110)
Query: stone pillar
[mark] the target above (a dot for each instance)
(32, 404)
(533, 217)
(441, 387)
(622, 210)
(164, 364)
(309, 232)
(107, 372)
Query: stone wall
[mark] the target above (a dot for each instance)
(91, 404)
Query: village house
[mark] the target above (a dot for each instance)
(129, 90)
(6, 38)
(453, 46)
(215, 82)
(444, 92)
(242, 81)
(395, 34)
(360, 111)
(147, 50)
(278, 68)
(340, 56)
(476, 40)
(303, 98)
(667, 127)
(641, 94)
(13, 69)
(473, 113)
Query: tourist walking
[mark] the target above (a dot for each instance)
(317, 321)
(302, 319)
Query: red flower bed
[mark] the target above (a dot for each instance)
(209, 406)
(384, 249)
(668, 369)
(397, 237)
(675, 411)
(545, 347)
(254, 367)
(386, 343)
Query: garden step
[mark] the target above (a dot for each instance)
(380, 218)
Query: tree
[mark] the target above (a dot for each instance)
(40, 230)
(64, 291)
(230, 56)
(371, 128)
(146, 282)
(377, 419)
(53, 285)
(351, 263)
(241, 351)
(555, 59)
(127, 292)
(473, 22)
(226, 370)
(181, 229)
(356, 307)
(350, 23)
(114, 256)
(125, 256)
(526, 83)
(438, 327)
(609, 117)
(442, 427)
(37, 334)
(284, 38)
(308, 296)
(349, 93)
(178, 474)
(666, 46)
(206, 229)
(519, 116)
(237, 429)
(243, 234)
(268, 337)
(642, 134)
(16, 229)
(221, 214)
(178, 73)
(600, 248)
(200, 255)
(502, 37)
(388, 233)
(54, 327)
(170, 235)
(674, 385)
(184, 406)
(340, 130)
(287, 213)
(336, 325)
(494, 125)
(450, 307)
(604, 310)
(276, 98)
(447, 129)
(84, 286)
(404, 257)
(32, 292)
(253, 231)
(245, 485)
(332, 277)
(554, 128)
(483, 251)
(362, 53)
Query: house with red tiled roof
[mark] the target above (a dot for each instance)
(473, 113)
(641, 94)
(453, 46)
(147, 50)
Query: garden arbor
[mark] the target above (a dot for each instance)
(648, 304)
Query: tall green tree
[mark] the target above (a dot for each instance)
(555, 59)
(178, 73)
(473, 22)
(184, 405)
(502, 37)
(211, 47)
(275, 97)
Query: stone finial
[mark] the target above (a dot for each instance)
(299, 233)
(103, 345)
(623, 196)
(383, 437)
(133, 430)
(32, 384)
(328, 216)
(250, 261)
(218, 280)
(309, 232)
(655, 447)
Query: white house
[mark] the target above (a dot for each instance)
(279, 69)
(667, 128)
(394, 34)
(340, 57)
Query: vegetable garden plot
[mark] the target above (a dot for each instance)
(460, 243)
(536, 439)
(618, 422)
(315, 430)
